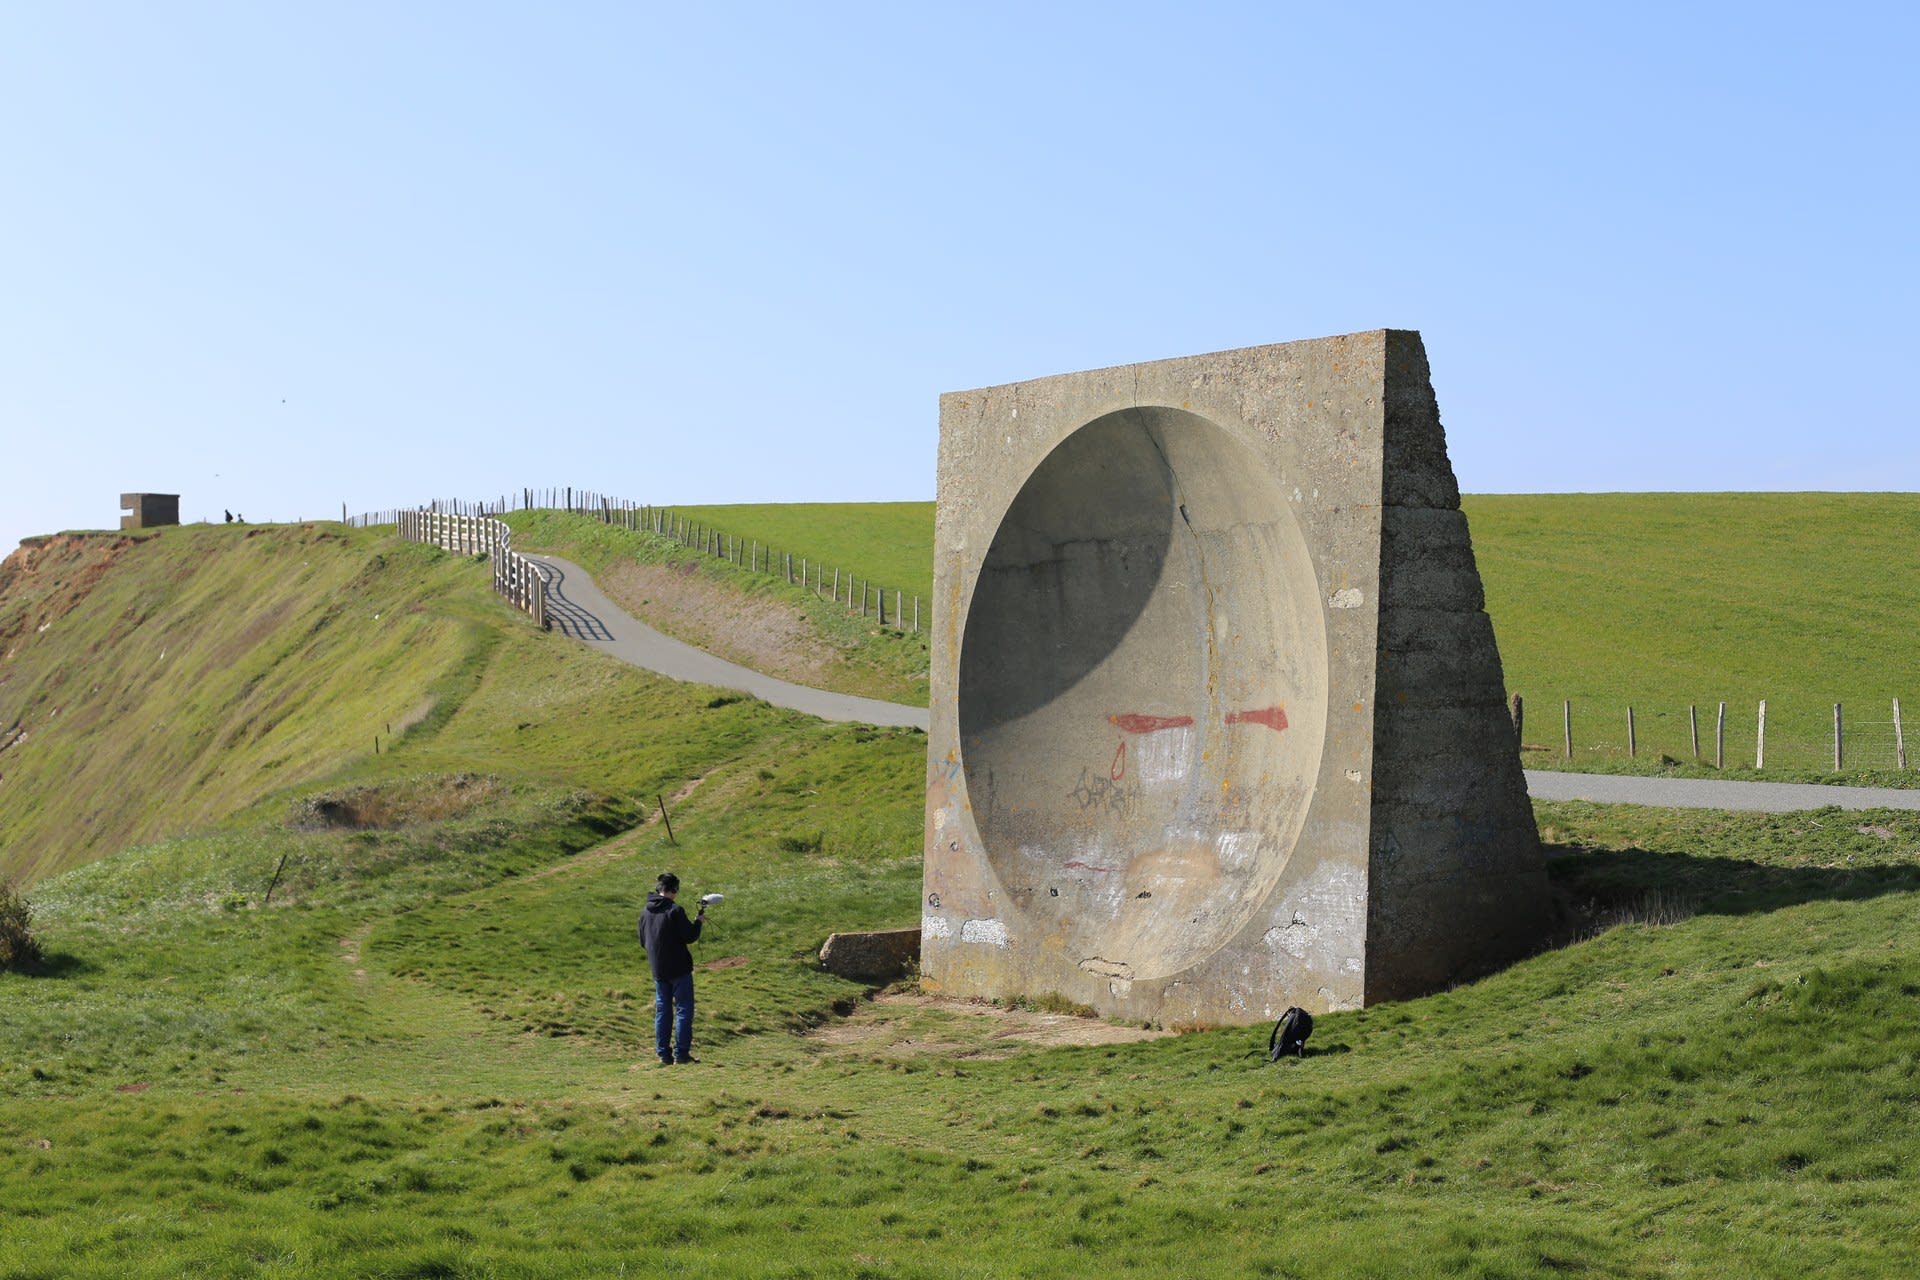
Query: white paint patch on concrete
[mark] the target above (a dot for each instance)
(1354, 775)
(935, 927)
(1162, 756)
(1327, 911)
(1345, 598)
(1237, 849)
(989, 933)
(940, 819)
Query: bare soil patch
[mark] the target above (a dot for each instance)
(908, 1023)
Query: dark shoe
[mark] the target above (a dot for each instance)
(666, 1062)
(682, 1061)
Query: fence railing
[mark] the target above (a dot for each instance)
(1800, 735)
(514, 576)
(842, 586)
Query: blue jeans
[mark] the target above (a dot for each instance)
(669, 994)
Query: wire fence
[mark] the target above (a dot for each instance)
(1766, 734)
(887, 607)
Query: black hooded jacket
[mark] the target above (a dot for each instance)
(665, 931)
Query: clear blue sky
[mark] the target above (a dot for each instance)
(280, 258)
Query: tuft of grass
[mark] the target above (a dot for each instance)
(19, 949)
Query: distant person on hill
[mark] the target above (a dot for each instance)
(665, 932)
(229, 517)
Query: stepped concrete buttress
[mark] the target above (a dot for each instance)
(1217, 720)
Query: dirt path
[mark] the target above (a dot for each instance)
(906, 1024)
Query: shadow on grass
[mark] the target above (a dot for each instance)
(1634, 880)
(57, 964)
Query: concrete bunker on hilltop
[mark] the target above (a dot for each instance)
(149, 510)
(1217, 721)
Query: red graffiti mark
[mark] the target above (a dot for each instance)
(1134, 722)
(1272, 717)
(1087, 866)
(1118, 769)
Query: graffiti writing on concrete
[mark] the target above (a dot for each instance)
(1106, 795)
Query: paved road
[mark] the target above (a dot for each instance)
(1712, 793)
(577, 608)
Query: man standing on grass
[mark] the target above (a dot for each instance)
(665, 932)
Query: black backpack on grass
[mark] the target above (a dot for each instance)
(1290, 1035)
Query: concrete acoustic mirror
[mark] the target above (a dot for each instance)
(1217, 720)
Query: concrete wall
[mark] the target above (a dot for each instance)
(149, 510)
(1156, 754)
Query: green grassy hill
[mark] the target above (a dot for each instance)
(889, 542)
(1660, 601)
(159, 682)
(428, 1054)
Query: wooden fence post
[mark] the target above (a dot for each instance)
(1632, 750)
(1837, 756)
(1566, 723)
(1720, 738)
(1899, 738)
(1760, 740)
(1693, 723)
(1519, 718)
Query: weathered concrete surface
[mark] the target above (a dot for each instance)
(1217, 721)
(880, 954)
(149, 510)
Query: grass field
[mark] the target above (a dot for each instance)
(428, 1054)
(1660, 601)
(888, 542)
